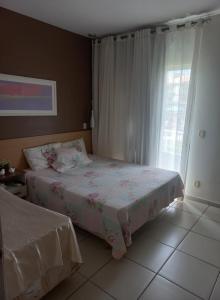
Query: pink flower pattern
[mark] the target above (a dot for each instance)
(58, 188)
(95, 201)
(128, 183)
(50, 156)
(106, 198)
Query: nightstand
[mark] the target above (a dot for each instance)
(14, 183)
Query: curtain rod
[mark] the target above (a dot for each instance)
(164, 28)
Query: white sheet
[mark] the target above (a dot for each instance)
(35, 241)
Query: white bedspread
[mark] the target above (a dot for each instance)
(35, 241)
(109, 198)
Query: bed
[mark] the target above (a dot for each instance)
(40, 248)
(109, 198)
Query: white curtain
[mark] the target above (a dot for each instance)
(143, 94)
(121, 83)
(178, 93)
(188, 127)
(156, 96)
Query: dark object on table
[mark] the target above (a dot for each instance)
(14, 183)
(17, 176)
(5, 164)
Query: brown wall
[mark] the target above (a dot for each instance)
(35, 49)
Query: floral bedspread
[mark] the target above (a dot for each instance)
(109, 198)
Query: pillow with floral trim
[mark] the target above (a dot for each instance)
(49, 152)
(38, 157)
(67, 158)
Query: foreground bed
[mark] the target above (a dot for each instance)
(40, 248)
(109, 198)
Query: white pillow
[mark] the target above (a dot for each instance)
(38, 157)
(78, 144)
(67, 158)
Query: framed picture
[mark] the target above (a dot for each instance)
(24, 96)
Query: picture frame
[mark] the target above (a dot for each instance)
(26, 96)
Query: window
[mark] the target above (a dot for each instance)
(173, 117)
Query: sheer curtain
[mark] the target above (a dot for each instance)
(121, 83)
(143, 94)
(178, 93)
(156, 96)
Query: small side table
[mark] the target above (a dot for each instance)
(14, 183)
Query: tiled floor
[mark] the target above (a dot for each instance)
(175, 257)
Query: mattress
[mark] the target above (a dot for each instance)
(109, 198)
(40, 248)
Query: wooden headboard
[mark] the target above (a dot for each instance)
(12, 149)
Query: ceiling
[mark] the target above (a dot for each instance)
(102, 17)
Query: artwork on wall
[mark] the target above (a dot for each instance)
(25, 96)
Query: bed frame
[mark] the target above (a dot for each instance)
(12, 149)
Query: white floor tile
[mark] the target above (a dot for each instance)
(208, 228)
(90, 292)
(163, 232)
(216, 292)
(149, 253)
(213, 213)
(123, 279)
(191, 206)
(95, 254)
(180, 217)
(66, 288)
(191, 274)
(202, 247)
(162, 289)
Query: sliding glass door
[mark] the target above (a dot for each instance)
(173, 118)
(178, 64)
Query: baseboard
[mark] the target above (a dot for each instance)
(204, 201)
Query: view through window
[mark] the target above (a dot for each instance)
(173, 117)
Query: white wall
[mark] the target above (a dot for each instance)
(204, 161)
